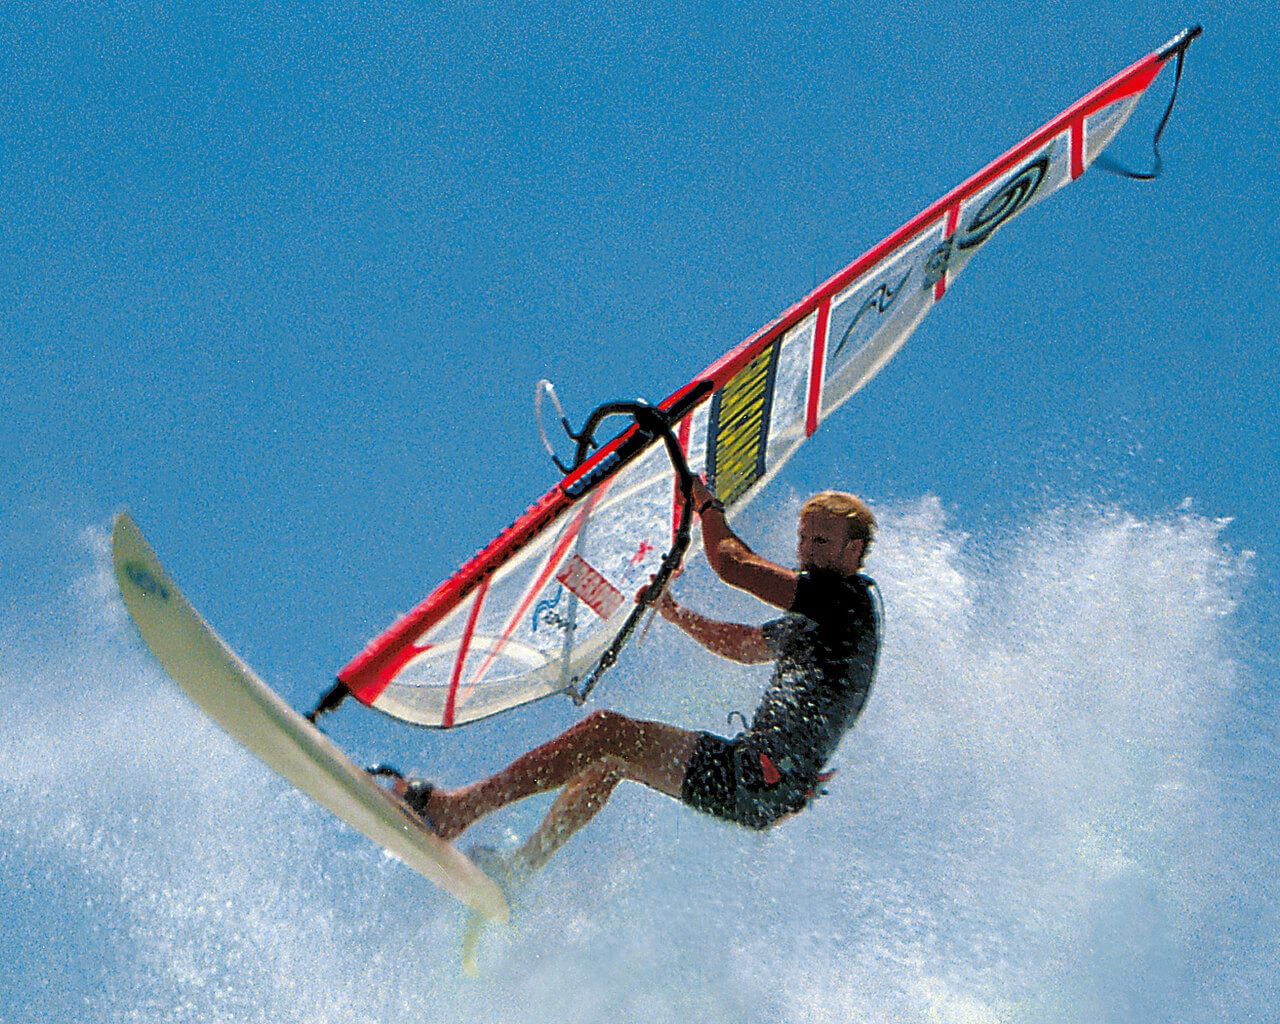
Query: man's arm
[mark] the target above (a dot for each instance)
(734, 562)
(731, 640)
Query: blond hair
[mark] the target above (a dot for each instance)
(857, 515)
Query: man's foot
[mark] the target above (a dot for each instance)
(417, 794)
(510, 874)
(414, 792)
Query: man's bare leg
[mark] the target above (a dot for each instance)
(579, 801)
(588, 760)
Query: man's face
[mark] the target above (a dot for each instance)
(824, 542)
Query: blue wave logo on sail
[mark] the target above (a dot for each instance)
(544, 613)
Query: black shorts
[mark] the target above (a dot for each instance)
(723, 779)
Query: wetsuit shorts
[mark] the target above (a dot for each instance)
(721, 779)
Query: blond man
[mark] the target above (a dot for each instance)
(824, 653)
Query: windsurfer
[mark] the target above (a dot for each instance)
(824, 652)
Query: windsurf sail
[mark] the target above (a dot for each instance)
(532, 613)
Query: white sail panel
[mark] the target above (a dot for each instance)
(1101, 127)
(791, 393)
(872, 318)
(544, 617)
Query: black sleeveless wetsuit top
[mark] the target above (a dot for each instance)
(826, 649)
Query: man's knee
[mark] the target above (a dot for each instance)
(607, 772)
(608, 723)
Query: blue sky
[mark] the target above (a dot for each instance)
(280, 281)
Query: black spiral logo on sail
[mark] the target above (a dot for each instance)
(1016, 194)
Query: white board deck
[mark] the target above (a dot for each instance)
(231, 694)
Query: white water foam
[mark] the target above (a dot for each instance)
(1057, 808)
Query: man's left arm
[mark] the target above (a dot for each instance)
(732, 640)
